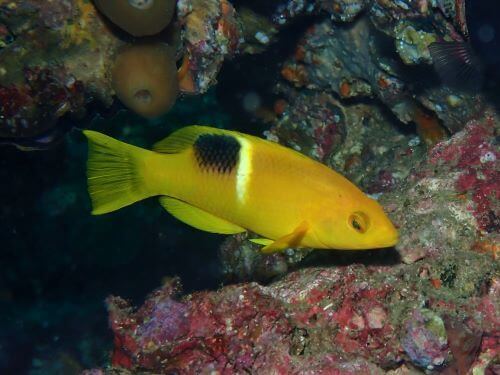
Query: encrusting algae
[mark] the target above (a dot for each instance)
(144, 78)
(228, 182)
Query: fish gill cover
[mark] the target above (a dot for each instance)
(353, 84)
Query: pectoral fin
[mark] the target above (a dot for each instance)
(290, 240)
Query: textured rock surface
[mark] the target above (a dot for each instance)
(451, 202)
(358, 93)
(374, 48)
(55, 60)
(351, 319)
(356, 62)
(430, 304)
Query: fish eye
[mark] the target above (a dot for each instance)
(359, 222)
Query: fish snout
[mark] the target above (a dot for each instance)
(390, 236)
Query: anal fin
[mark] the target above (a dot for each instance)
(290, 240)
(261, 241)
(198, 218)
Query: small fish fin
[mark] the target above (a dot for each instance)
(183, 138)
(457, 64)
(198, 218)
(290, 240)
(261, 241)
(114, 173)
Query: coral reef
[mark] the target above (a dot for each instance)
(354, 319)
(431, 304)
(374, 56)
(357, 93)
(64, 53)
(354, 63)
(452, 207)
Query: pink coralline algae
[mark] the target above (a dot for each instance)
(475, 155)
(254, 328)
(383, 182)
(235, 330)
(34, 107)
(341, 320)
(352, 313)
(455, 192)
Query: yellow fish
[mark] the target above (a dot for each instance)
(228, 182)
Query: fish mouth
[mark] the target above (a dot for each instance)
(391, 241)
(387, 237)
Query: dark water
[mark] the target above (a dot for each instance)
(59, 263)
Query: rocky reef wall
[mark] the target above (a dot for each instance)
(358, 93)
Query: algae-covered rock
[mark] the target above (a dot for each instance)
(425, 341)
(350, 318)
(413, 45)
(355, 89)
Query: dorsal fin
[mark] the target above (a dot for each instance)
(183, 138)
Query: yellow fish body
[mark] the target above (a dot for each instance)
(227, 182)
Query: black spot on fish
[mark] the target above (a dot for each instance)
(217, 153)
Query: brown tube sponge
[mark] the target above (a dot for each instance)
(138, 17)
(144, 78)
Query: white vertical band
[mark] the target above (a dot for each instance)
(244, 172)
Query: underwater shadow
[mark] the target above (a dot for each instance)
(261, 74)
(492, 96)
(376, 257)
(334, 258)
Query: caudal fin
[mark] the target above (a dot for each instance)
(114, 172)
